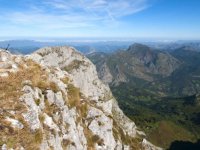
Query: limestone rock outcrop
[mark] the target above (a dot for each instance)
(53, 99)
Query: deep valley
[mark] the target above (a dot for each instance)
(157, 89)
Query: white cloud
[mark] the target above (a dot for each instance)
(58, 14)
(118, 8)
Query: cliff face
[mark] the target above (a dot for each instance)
(53, 99)
(137, 62)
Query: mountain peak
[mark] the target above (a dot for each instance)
(54, 99)
(139, 61)
(138, 47)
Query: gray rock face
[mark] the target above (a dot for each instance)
(69, 107)
(105, 74)
(15, 123)
(4, 147)
(138, 61)
(8, 63)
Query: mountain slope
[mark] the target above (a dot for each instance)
(184, 81)
(138, 61)
(162, 74)
(53, 99)
(158, 90)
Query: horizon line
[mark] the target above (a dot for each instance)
(96, 38)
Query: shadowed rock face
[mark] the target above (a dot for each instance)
(153, 61)
(138, 61)
(54, 100)
(142, 52)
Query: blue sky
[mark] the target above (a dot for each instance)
(175, 19)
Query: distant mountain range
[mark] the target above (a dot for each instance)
(171, 46)
(95, 45)
(86, 47)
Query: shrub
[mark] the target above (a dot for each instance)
(42, 85)
(83, 110)
(73, 96)
(97, 139)
(37, 101)
(65, 80)
(54, 87)
(66, 142)
(38, 136)
(73, 65)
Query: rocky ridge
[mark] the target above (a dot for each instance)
(138, 61)
(53, 99)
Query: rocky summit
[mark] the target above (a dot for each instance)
(53, 99)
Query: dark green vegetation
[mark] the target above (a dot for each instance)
(159, 91)
(163, 119)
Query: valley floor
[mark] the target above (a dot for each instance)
(165, 120)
